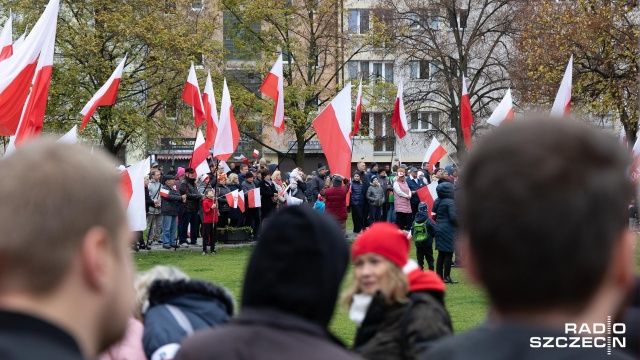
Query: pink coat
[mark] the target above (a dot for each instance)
(130, 347)
(402, 204)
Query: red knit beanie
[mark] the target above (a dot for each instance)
(422, 280)
(384, 239)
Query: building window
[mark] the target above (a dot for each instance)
(388, 72)
(358, 21)
(287, 57)
(422, 69)
(383, 135)
(370, 70)
(352, 69)
(237, 40)
(365, 125)
(424, 120)
(459, 19)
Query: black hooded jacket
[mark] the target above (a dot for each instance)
(289, 295)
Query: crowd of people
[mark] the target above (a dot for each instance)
(544, 228)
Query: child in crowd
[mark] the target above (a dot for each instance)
(423, 231)
(319, 204)
(210, 216)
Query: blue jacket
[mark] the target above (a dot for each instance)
(357, 193)
(446, 217)
(414, 186)
(319, 206)
(204, 305)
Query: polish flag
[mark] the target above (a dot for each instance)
(132, 189)
(356, 121)
(200, 155)
(466, 117)
(399, 119)
(191, 95)
(20, 40)
(6, 39)
(503, 112)
(32, 117)
(164, 192)
(254, 198)
(105, 96)
(273, 87)
(623, 137)
(241, 200)
(634, 171)
(71, 137)
(228, 135)
(232, 199)
(435, 152)
(16, 72)
(428, 195)
(333, 126)
(256, 153)
(562, 104)
(211, 114)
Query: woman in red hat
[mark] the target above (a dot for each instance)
(391, 325)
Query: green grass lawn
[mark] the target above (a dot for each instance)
(465, 302)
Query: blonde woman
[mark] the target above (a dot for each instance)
(390, 324)
(277, 180)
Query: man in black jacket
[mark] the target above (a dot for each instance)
(190, 214)
(65, 283)
(284, 317)
(317, 184)
(169, 207)
(557, 266)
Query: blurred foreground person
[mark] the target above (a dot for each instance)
(543, 210)
(289, 295)
(65, 262)
(390, 324)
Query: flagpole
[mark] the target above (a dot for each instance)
(450, 158)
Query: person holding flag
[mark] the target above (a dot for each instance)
(170, 204)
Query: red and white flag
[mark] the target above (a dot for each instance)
(241, 200)
(191, 95)
(6, 39)
(399, 119)
(634, 170)
(16, 72)
(132, 188)
(435, 152)
(503, 112)
(356, 121)
(20, 40)
(256, 153)
(466, 117)
(32, 118)
(200, 155)
(562, 104)
(253, 197)
(105, 96)
(164, 192)
(623, 137)
(333, 126)
(228, 134)
(211, 114)
(232, 199)
(273, 87)
(428, 194)
(71, 137)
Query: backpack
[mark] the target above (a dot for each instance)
(419, 232)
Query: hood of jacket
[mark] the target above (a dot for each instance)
(198, 295)
(445, 190)
(299, 270)
(423, 213)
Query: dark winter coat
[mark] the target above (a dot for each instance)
(284, 317)
(170, 205)
(221, 191)
(365, 177)
(235, 213)
(414, 185)
(385, 184)
(336, 202)
(193, 195)
(315, 187)
(205, 306)
(357, 194)
(446, 217)
(267, 190)
(401, 330)
(375, 195)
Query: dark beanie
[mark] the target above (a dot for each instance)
(337, 181)
(297, 274)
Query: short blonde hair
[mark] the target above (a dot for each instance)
(276, 173)
(36, 255)
(394, 291)
(143, 281)
(232, 177)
